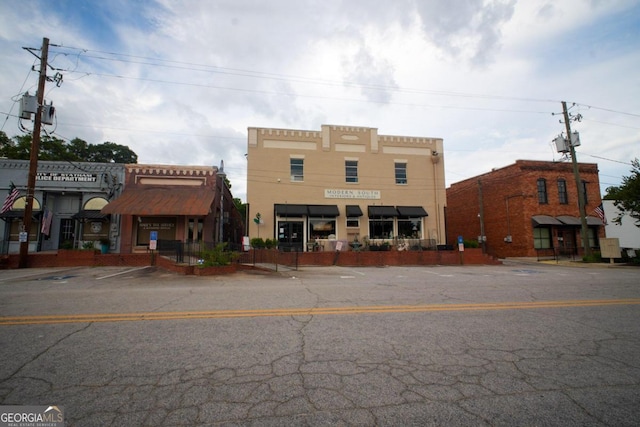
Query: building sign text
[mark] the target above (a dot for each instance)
(351, 194)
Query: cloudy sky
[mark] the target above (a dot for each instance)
(180, 81)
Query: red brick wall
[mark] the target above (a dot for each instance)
(517, 184)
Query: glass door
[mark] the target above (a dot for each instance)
(291, 236)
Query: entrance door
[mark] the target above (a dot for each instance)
(291, 235)
(567, 242)
(67, 236)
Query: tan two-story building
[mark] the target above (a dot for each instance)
(341, 187)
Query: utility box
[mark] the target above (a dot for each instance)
(48, 113)
(561, 144)
(28, 106)
(575, 139)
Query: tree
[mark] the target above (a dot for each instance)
(77, 150)
(626, 197)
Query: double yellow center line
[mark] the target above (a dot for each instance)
(230, 314)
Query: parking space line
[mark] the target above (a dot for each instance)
(121, 272)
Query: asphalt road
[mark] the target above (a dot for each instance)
(511, 345)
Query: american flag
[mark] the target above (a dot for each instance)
(599, 210)
(11, 198)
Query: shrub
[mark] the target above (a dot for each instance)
(471, 244)
(594, 257)
(271, 243)
(218, 256)
(257, 243)
(88, 245)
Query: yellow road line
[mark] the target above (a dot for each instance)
(228, 314)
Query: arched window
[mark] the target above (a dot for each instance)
(95, 204)
(21, 203)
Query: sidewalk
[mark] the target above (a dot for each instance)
(567, 263)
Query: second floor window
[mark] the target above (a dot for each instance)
(584, 192)
(542, 191)
(351, 170)
(401, 173)
(297, 169)
(562, 192)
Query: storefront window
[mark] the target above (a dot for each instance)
(381, 228)
(410, 228)
(322, 228)
(542, 238)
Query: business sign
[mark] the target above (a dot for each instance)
(66, 177)
(351, 194)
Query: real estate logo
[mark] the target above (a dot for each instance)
(31, 416)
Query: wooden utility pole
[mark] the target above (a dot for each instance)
(33, 159)
(584, 230)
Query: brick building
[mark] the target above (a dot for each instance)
(179, 203)
(527, 209)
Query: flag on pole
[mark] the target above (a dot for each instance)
(11, 198)
(46, 222)
(599, 210)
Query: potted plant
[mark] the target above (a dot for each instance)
(104, 245)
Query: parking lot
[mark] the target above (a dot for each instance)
(517, 344)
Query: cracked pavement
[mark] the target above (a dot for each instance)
(523, 366)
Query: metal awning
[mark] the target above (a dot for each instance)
(382, 211)
(569, 220)
(323, 210)
(18, 214)
(89, 214)
(165, 201)
(411, 211)
(291, 210)
(592, 220)
(354, 210)
(539, 220)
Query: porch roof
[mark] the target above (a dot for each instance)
(167, 201)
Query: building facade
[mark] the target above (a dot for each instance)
(527, 209)
(627, 231)
(185, 204)
(341, 186)
(67, 201)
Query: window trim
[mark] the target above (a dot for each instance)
(351, 179)
(400, 180)
(563, 196)
(296, 177)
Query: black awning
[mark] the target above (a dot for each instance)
(354, 210)
(291, 210)
(411, 211)
(539, 220)
(19, 214)
(323, 210)
(90, 214)
(382, 211)
(569, 220)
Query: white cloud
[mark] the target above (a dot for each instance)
(189, 77)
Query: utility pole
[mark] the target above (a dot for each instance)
(584, 230)
(33, 159)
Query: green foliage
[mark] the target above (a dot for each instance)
(594, 257)
(257, 243)
(271, 243)
(471, 244)
(626, 197)
(88, 246)
(76, 150)
(218, 256)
